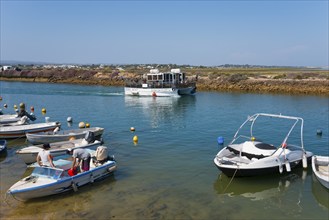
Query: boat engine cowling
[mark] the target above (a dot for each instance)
(90, 137)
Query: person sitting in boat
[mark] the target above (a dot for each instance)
(22, 112)
(44, 158)
(81, 157)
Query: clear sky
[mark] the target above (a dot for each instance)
(289, 33)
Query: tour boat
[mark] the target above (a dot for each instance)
(250, 155)
(157, 84)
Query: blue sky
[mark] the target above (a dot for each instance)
(289, 33)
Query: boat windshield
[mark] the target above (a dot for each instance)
(47, 172)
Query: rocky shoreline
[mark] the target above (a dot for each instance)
(304, 83)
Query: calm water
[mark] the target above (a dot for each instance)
(170, 173)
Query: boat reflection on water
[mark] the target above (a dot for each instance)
(320, 193)
(161, 108)
(259, 187)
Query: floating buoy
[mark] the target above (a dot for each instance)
(82, 125)
(132, 129)
(319, 132)
(87, 125)
(135, 138)
(287, 164)
(32, 109)
(154, 94)
(304, 161)
(22, 105)
(5, 105)
(69, 119)
(15, 106)
(253, 138)
(0, 98)
(43, 110)
(220, 140)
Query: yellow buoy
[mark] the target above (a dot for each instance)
(253, 138)
(132, 129)
(82, 125)
(43, 110)
(87, 125)
(15, 106)
(22, 105)
(135, 138)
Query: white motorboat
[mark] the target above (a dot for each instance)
(29, 154)
(155, 83)
(46, 181)
(3, 146)
(248, 156)
(62, 135)
(9, 118)
(19, 131)
(320, 167)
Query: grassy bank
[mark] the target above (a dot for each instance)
(258, 80)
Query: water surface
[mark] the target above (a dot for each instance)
(170, 173)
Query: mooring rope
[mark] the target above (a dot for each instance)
(231, 179)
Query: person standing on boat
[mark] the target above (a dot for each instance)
(83, 157)
(44, 158)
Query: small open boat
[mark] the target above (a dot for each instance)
(320, 167)
(21, 130)
(63, 135)
(46, 181)
(29, 154)
(252, 155)
(9, 118)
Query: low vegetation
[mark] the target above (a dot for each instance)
(223, 78)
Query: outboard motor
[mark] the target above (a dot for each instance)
(90, 137)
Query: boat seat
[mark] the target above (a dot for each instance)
(63, 164)
(324, 170)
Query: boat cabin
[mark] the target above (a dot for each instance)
(175, 76)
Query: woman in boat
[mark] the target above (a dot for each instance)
(44, 158)
(83, 157)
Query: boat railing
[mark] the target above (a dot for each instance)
(153, 84)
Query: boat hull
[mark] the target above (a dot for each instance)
(27, 189)
(44, 137)
(247, 172)
(159, 92)
(29, 154)
(21, 130)
(320, 167)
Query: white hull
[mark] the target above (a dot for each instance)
(29, 154)
(48, 183)
(65, 135)
(159, 92)
(21, 130)
(320, 167)
(251, 157)
(282, 161)
(5, 119)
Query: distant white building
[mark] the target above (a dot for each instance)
(6, 67)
